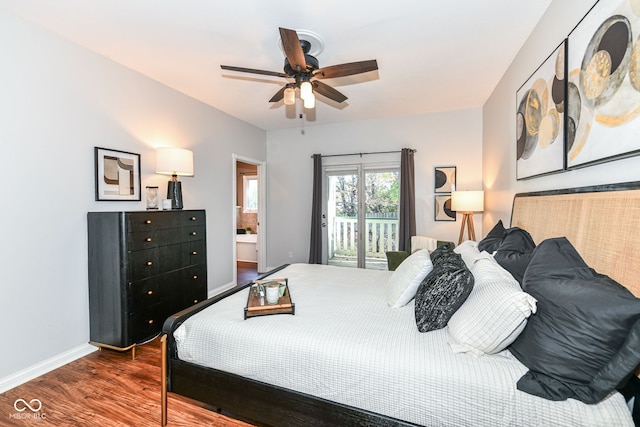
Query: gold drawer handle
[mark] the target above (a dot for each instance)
(150, 322)
(149, 263)
(149, 292)
(148, 239)
(195, 277)
(194, 253)
(193, 218)
(148, 221)
(193, 233)
(195, 301)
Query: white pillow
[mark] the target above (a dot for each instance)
(468, 250)
(495, 313)
(405, 280)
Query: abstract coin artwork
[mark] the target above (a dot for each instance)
(540, 119)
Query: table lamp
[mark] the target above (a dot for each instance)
(174, 162)
(467, 202)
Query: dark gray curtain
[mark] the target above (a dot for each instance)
(407, 226)
(315, 250)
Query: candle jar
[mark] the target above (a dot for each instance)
(152, 198)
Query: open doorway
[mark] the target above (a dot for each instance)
(249, 209)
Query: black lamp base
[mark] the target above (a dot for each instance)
(174, 192)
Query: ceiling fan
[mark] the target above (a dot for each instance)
(305, 71)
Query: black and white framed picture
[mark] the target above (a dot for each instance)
(445, 179)
(117, 175)
(442, 208)
(540, 118)
(603, 121)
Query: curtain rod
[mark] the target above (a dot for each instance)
(362, 154)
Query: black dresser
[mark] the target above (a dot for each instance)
(143, 267)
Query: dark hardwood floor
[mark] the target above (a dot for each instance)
(247, 271)
(104, 389)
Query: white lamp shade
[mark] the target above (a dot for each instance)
(289, 96)
(306, 90)
(174, 161)
(309, 101)
(467, 201)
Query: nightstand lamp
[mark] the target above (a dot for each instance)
(467, 202)
(174, 162)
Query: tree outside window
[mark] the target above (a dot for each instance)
(250, 204)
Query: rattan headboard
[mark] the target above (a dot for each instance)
(602, 223)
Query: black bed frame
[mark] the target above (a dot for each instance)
(248, 400)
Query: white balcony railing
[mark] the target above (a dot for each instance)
(381, 235)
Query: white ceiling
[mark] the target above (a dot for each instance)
(432, 55)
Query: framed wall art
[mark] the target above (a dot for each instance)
(442, 208)
(604, 84)
(445, 179)
(540, 118)
(117, 175)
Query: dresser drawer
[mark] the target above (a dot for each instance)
(153, 300)
(196, 274)
(152, 291)
(147, 323)
(195, 285)
(155, 261)
(150, 220)
(189, 218)
(153, 238)
(197, 253)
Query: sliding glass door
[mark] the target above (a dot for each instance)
(381, 216)
(361, 222)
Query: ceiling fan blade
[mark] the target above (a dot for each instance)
(253, 71)
(293, 50)
(348, 69)
(279, 95)
(326, 90)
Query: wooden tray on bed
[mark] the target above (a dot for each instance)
(258, 306)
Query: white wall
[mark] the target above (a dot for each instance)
(442, 139)
(499, 148)
(58, 102)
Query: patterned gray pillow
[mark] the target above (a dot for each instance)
(445, 254)
(440, 294)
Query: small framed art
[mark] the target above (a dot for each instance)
(445, 179)
(442, 208)
(117, 175)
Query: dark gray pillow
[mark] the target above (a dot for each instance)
(442, 292)
(584, 340)
(515, 251)
(492, 240)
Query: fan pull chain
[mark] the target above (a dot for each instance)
(301, 124)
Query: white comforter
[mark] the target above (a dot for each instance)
(346, 345)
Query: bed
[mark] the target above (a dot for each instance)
(330, 374)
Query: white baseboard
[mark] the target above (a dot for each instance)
(220, 289)
(25, 375)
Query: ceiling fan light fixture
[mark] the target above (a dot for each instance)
(306, 90)
(301, 66)
(289, 96)
(310, 101)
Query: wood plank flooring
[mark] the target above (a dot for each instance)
(247, 271)
(104, 389)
